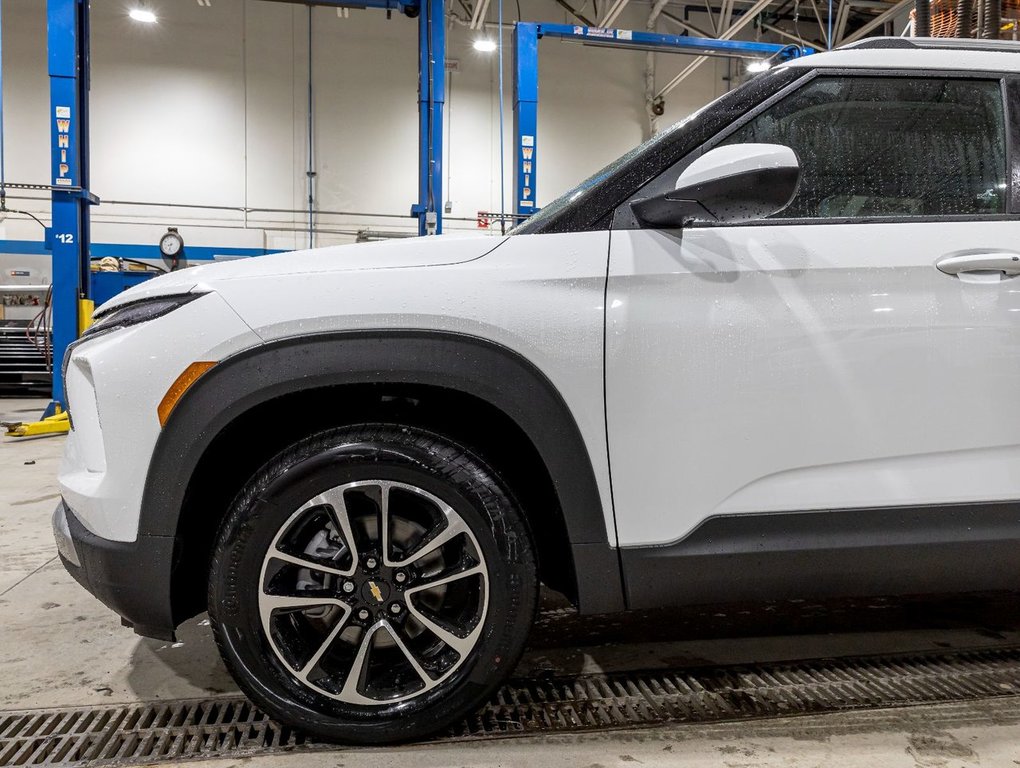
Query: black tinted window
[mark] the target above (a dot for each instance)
(877, 146)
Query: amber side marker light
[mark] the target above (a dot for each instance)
(181, 385)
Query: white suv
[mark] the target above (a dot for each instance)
(774, 352)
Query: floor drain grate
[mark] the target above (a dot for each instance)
(180, 730)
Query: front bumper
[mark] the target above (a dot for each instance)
(132, 578)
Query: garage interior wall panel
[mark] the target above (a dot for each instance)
(208, 108)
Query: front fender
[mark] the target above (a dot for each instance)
(467, 364)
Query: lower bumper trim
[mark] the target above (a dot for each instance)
(132, 578)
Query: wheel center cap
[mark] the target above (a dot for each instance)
(375, 592)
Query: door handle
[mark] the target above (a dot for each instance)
(964, 263)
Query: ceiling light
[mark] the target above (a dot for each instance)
(759, 66)
(146, 17)
(485, 46)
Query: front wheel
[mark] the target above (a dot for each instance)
(372, 584)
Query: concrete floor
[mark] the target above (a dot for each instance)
(60, 647)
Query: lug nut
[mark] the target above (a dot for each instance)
(395, 608)
(363, 614)
(371, 562)
(400, 577)
(348, 587)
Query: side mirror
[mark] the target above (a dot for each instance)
(736, 183)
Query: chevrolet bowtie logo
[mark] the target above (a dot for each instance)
(376, 592)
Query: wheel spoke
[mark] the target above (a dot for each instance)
(334, 500)
(296, 602)
(473, 570)
(356, 674)
(304, 562)
(384, 522)
(412, 660)
(460, 644)
(454, 527)
(270, 604)
(326, 644)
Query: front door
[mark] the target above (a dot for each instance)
(821, 359)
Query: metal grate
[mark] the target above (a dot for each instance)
(181, 730)
(139, 733)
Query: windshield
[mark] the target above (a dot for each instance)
(578, 192)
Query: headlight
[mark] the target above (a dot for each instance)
(138, 312)
(129, 314)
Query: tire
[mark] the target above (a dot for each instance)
(332, 627)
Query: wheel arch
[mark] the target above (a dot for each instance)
(258, 401)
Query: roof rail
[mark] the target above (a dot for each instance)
(941, 43)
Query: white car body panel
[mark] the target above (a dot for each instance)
(114, 384)
(807, 367)
(541, 296)
(389, 254)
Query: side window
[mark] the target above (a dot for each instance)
(885, 146)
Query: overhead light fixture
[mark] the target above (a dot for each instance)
(759, 66)
(146, 17)
(484, 45)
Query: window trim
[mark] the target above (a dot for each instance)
(624, 219)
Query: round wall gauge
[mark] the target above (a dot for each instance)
(171, 244)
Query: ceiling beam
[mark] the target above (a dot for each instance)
(614, 10)
(878, 21)
(842, 16)
(729, 34)
(576, 13)
(726, 14)
(821, 24)
(478, 17)
(711, 18)
(686, 26)
(789, 36)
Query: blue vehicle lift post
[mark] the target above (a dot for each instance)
(431, 95)
(525, 64)
(525, 48)
(68, 237)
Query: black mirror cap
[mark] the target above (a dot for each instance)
(743, 197)
(668, 211)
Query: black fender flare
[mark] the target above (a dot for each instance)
(486, 370)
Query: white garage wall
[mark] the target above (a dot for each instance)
(207, 108)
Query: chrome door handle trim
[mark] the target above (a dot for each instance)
(1007, 263)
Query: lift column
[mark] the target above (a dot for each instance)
(431, 95)
(67, 38)
(525, 63)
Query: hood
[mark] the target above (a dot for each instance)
(387, 254)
